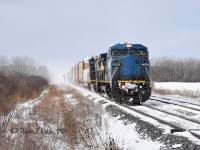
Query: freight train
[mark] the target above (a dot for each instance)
(121, 74)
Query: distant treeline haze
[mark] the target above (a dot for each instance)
(166, 69)
(22, 66)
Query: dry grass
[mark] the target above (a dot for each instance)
(14, 90)
(18, 89)
(53, 110)
(88, 118)
(80, 121)
(70, 123)
(48, 108)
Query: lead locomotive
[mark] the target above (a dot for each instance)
(122, 73)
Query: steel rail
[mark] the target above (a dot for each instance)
(175, 104)
(176, 100)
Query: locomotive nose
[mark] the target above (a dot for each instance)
(138, 68)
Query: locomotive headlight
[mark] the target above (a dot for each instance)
(140, 86)
(128, 45)
(123, 86)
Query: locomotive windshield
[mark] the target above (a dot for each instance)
(140, 53)
(119, 52)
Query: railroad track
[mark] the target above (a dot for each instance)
(175, 127)
(191, 120)
(176, 101)
(171, 102)
(172, 125)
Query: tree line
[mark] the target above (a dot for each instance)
(171, 69)
(24, 66)
(21, 78)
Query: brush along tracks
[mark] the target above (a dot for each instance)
(51, 122)
(68, 109)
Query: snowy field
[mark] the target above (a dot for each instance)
(180, 86)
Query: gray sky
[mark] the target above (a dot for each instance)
(58, 33)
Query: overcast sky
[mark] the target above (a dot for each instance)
(58, 33)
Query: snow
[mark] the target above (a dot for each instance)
(176, 98)
(189, 87)
(177, 145)
(185, 112)
(188, 135)
(22, 115)
(170, 118)
(24, 109)
(181, 86)
(125, 135)
(68, 95)
(69, 100)
(178, 121)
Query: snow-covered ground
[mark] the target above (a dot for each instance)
(181, 111)
(125, 127)
(25, 123)
(125, 134)
(180, 86)
(110, 129)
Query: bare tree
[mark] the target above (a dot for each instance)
(175, 69)
(23, 66)
(3, 63)
(43, 72)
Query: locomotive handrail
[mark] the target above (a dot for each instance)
(147, 72)
(113, 74)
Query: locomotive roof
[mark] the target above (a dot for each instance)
(123, 46)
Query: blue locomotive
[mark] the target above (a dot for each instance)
(121, 74)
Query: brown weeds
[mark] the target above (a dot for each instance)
(79, 119)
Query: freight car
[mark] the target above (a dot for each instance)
(122, 73)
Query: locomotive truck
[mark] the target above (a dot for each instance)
(121, 74)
